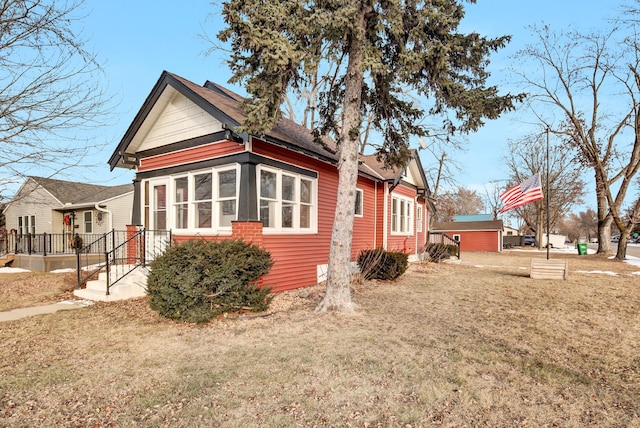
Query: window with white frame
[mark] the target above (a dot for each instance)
(419, 218)
(181, 202)
(203, 200)
(401, 215)
(227, 197)
(199, 200)
(88, 221)
(26, 224)
(359, 201)
(286, 200)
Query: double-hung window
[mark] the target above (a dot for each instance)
(419, 218)
(401, 216)
(227, 197)
(286, 201)
(88, 222)
(29, 226)
(203, 199)
(181, 202)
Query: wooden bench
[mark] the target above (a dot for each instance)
(549, 269)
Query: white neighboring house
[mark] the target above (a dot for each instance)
(45, 205)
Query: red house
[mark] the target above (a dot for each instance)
(473, 235)
(199, 178)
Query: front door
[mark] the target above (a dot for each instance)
(155, 218)
(155, 210)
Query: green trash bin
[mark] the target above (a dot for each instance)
(582, 248)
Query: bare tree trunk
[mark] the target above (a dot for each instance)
(604, 220)
(338, 292)
(621, 254)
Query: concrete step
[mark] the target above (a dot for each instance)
(131, 286)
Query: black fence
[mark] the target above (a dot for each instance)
(123, 253)
(47, 244)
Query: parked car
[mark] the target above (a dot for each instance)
(529, 240)
(615, 238)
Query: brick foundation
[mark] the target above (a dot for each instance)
(248, 231)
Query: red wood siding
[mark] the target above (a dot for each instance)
(297, 256)
(483, 240)
(195, 154)
(364, 227)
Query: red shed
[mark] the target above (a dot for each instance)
(474, 235)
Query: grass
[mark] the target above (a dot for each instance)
(477, 343)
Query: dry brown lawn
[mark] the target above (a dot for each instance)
(475, 343)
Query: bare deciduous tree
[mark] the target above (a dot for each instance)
(50, 94)
(461, 201)
(577, 72)
(527, 157)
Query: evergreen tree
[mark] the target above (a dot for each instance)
(372, 54)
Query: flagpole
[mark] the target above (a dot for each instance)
(547, 186)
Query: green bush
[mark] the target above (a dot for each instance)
(438, 252)
(198, 280)
(381, 264)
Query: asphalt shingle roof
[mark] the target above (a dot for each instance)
(69, 192)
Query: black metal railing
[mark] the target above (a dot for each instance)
(443, 238)
(48, 244)
(125, 254)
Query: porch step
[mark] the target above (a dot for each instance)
(6, 259)
(131, 286)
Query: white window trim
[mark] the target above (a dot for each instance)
(410, 212)
(419, 218)
(191, 230)
(84, 221)
(295, 230)
(361, 193)
(217, 199)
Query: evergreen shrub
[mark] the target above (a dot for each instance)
(438, 252)
(198, 280)
(381, 264)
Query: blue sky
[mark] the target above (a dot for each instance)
(138, 40)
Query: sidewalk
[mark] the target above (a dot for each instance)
(16, 314)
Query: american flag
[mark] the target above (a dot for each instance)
(521, 194)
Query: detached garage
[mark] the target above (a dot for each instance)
(474, 235)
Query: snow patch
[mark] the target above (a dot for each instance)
(602, 272)
(12, 270)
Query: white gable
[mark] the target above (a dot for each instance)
(411, 175)
(173, 118)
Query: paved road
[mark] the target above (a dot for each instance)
(632, 249)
